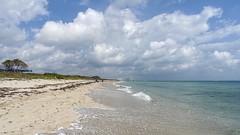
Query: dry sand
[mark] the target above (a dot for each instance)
(28, 107)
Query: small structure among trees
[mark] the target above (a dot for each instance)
(15, 65)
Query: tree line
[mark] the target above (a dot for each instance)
(14, 65)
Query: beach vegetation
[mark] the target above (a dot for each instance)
(19, 75)
(15, 68)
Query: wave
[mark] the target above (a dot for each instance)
(142, 96)
(127, 89)
(123, 88)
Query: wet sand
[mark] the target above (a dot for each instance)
(130, 115)
(38, 106)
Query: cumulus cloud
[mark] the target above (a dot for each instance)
(11, 35)
(107, 54)
(170, 56)
(14, 12)
(116, 37)
(226, 58)
(178, 25)
(86, 28)
(31, 51)
(47, 58)
(116, 43)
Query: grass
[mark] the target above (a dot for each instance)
(19, 75)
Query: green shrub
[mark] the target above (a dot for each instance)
(42, 76)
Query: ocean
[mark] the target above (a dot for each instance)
(216, 101)
(162, 108)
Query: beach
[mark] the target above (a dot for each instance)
(67, 107)
(34, 106)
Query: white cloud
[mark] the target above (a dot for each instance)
(219, 33)
(179, 26)
(11, 35)
(116, 38)
(109, 55)
(86, 28)
(43, 58)
(170, 56)
(13, 39)
(161, 49)
(115, 41)
(226, 58)
(209, 11)
(34, 51)
(12, 13)
(16, 11)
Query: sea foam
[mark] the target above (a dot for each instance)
(123, 88)
(142, 96)
(127, 89)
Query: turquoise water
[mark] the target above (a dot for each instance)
(160, 108)
(217, 100)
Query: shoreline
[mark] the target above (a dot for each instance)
(43, 106)
(134, 115)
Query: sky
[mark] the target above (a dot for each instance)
(138, 39)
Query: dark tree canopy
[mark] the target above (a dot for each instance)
(18, 64)
(8, 64)
(15, 64)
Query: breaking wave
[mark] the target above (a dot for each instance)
(127, 89)
(142, 96)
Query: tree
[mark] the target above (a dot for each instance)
(18, 64)
(8, 64)
(15, 64)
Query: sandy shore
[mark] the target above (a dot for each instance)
(38, 106)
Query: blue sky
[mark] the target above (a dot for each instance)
(140, 39)
(66, 10)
